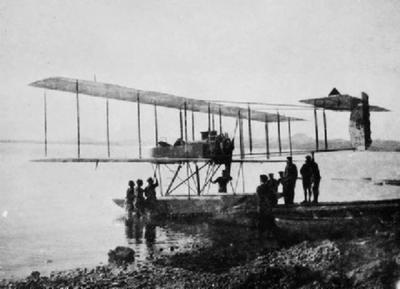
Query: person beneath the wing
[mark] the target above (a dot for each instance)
(264, 192)
(222, 181)
(139, 198)
(150, 193)
(130, 197)
(282, 182)
(291, 178)
(273, 184)
(316, 179)
(306, 172)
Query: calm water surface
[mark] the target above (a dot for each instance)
(61, 216)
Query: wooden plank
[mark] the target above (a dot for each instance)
(118, 92)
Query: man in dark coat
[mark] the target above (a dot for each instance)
(291, 178)
(264, 192)
(315, 178)
(306, 172)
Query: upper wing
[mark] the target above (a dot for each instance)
(118, 92)
(339, 102)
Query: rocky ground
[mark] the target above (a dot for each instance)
(371, 261)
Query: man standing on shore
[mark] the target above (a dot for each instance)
(306, 172)
(264, 192)
(316, 178)
(291, 178)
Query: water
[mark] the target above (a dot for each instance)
(61, 216)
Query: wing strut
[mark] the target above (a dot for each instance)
(267, 136)
(220, 120)
(139, 126)
(78, 124)
(278, 117)
(155, 124)
(108, 127)
(249, 124)
(290, 137)
(241, 135)
(316, 130)
(192, 125)
(325, 130)
(45, 122)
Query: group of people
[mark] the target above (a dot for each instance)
(267, 191)
(140, 199)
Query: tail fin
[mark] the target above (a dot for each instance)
(360, 125)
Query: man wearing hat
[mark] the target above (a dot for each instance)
(291, 178)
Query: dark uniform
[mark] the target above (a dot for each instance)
(291, 178)
(273, 184)
(306, 174)
(222, 183)
(316, 179)
(130, 197)
(150, 193)
(139, 198)
(264, 192)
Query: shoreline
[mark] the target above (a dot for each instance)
(372, 259)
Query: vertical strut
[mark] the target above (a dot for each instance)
(290, 136)
(220, 120)
(180, 122)
(209, 120)
(213, 121)
(325, 130)
(192, 125)
(279, 133)
(78, 124)
(316, 130)
(243, 183)
(185, 115)
(45, 122)
(139, 126)
(188, 183)
(249, 124)
(108, 127)
(241, 135)
(198, 180)
(266, 135)
(160, 179)
(155, 124)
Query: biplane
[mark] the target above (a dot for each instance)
(216, 147)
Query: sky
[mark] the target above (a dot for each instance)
(267, 51)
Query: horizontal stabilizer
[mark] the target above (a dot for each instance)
(118, 92)
(339, 102)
